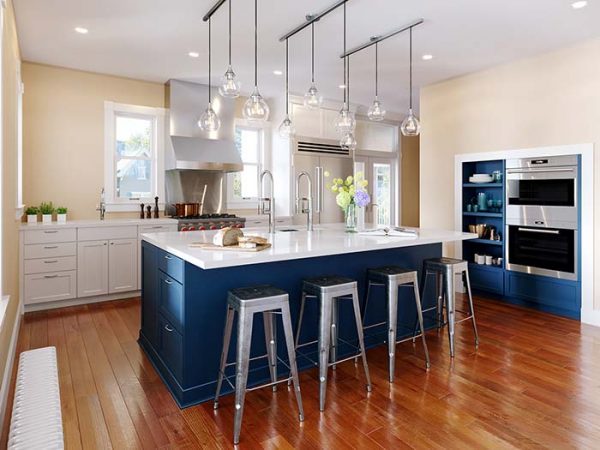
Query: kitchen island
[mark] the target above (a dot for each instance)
(184, 293)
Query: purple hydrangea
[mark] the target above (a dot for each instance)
(361, 198)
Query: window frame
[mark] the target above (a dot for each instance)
(113, 110)
(250, 202)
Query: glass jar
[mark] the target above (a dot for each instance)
(350, 218)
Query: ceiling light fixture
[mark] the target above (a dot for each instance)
(286, 129)
(427, 57)
(277, 72)
(348, 141)
(209, 120)
(376, 113)
(342, 86)
(256, 108)
(312, 99)
(230, 87)
(193, 54)
(345, 121)
(81, 30)
(410, 125)
(579, 4)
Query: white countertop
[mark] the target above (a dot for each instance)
(324, 241)
(97, 223)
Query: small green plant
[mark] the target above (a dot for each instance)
(46, 208)
(32, 211)
(61, 210)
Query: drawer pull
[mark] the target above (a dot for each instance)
(50, 231)
(51, 262)
(50, 276)
(50, 247)
(168, 257)
(156, 227)
(168, 282)
(168, 328)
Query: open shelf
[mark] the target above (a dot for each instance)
(485, 241)
(483, 214)
(483, 185)
(484, 267)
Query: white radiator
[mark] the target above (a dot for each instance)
(36, 416)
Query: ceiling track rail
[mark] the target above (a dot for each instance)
(213, 10)
(310, 19)
(376, 39)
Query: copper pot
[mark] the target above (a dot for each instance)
(187, 209)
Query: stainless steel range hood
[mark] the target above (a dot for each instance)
(191, 148)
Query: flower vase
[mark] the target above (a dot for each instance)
(350, 218)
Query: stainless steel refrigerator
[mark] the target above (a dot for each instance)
(324, 160)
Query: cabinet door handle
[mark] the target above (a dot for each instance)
(168, 281)
(50, 231)
(51, 262)
(50, 247)
(168, 257)
(50, 276)
(168, 328)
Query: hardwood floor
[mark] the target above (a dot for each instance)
(533, 382)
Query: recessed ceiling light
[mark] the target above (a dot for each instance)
(579, 4)
(81, 30)
(277, 72)
(427, 57)
(342, 86)
(193, 54)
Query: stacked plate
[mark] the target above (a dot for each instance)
(481, 178)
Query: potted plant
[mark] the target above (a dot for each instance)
(32, 214)
(350, 194)
(47, 209)
(61, 214)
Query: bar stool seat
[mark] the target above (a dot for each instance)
(445, 270)
(393, 278)
(270, 301)
(328, 290)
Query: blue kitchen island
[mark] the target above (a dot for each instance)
(184, 292)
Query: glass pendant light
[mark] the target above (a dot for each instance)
(230, 87)
(348, 141)
(345, 121)
(209, 120)
(286, 129)
(256, 108)
(313, 99)
(376, 112)
(410, 126)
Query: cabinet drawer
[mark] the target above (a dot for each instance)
(49, 236)
(170, 300)
(43, 265)
(170, 347)
(487, 278)
(50, 250)
(50, 287)
(106, 233)
(171, 265)
(155, 229)
(553, 292)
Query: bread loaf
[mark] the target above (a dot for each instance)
(253, 240)
(227, 236)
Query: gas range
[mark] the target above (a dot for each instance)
(209, 222)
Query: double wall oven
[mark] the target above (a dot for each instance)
(542, 202)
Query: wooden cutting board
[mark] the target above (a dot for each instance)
(229, 248)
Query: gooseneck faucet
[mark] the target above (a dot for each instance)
(304, 205)
(102, 206)
(266, 205)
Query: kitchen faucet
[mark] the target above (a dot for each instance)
(102, 206)
(266, 205)
(304, 205)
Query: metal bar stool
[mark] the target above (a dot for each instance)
(444, 270)
(329, 290)
(392, 278)
(269, 301)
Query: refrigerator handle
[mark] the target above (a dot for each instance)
(319, 186)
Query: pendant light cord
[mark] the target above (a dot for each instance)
(411, 69)
(348, 82)
(287, 79)
(345, 58)
(255, 43)
(376, 69)
(229, 33)
(312, 51)
(209, 62)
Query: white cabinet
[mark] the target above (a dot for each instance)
(50, 287)
(328, 119)
(306, 121)
(92, 268)
(122, 265)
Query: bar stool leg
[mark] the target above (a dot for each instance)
(271, 345)
(300, 316)
(422, 289)
(361, 338)
(287, 331)
(392, 307)
(439, 289)
(224, 352)
(420, 318)
(244, 336)
(471, 308)
(450, 303)
(364, 311)
(334, 332)
(324, 343)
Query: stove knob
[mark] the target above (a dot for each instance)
(183, 229)
(213, 227)
(223, 225)
(191, 228)
(202, 228)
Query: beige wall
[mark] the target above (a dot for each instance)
(552, 99)
(10, 237)
(409, 167)
(63, 133)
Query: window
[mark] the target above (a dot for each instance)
(242, 187)
(133, 155)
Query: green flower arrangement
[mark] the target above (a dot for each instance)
(351, 191)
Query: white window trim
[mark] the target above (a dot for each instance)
(20, 206)
(264, 128)
(110, 110)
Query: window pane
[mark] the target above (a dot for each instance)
(245, 183)
(134, 136)
(247, 143)
(383, 193)
(134, 178)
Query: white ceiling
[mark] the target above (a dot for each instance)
(150, 39)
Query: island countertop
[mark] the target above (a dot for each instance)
(325, 240)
